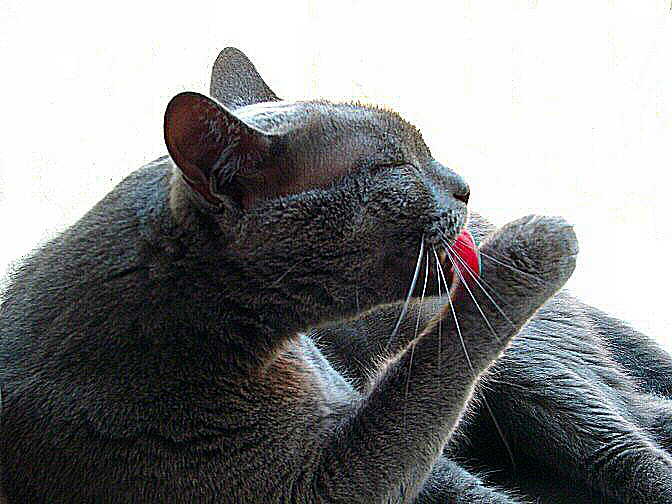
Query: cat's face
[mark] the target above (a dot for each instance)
(322, 207)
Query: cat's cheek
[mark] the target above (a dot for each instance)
(396, 271)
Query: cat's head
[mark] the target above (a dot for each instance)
(317, 209)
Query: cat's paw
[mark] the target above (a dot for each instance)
(535, 252)
(522, 265)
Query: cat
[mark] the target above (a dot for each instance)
(153, 351)
(604, 434)
(163, 348)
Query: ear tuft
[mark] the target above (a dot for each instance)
(210, 145)
(235, 81)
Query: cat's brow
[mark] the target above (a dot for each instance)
(268, 114)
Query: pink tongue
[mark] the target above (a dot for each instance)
(466, 249)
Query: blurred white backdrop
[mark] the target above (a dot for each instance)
(545, 106)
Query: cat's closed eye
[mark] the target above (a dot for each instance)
(375, 167)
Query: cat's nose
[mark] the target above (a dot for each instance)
(460, 188)
(462, 194)
(450, 182)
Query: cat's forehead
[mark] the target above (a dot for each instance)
(270, 116)
(338, 118)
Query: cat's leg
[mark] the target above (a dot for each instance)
(638, 354)
(357, 347)
(654, 415)
(626, 463)
(388, 445)
(450, 483)
(581, 427)
(662, 427)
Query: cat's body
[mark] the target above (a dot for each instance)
(165, 404)
(572, 377)
(153, 351)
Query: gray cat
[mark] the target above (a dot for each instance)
(155, 351)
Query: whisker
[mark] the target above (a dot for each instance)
(422, 297)
(499, 429)
(473, 298)
(488, 288)
(508, 384)
(279, 280)
(408, 382)
(452, 242)
(417, 324)
(452, 310)
(439, 269)
(439, 273)
(477, 281)
(481, 281)
(410, 292)
(456, 255)
(502, 263)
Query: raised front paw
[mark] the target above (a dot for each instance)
(536, 254)
(522, 265)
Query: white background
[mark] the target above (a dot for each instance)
(558, 107)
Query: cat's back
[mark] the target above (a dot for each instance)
(108, 366)
(77, 267)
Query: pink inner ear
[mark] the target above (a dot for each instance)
(196, 137)
(188, 127)
(197, 131)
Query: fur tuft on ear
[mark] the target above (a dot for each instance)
(236, 83)
(210, 145)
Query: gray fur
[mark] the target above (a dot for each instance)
(236, 83)
(153, 352)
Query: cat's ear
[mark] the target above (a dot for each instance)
(236, 83)
(210, 145)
